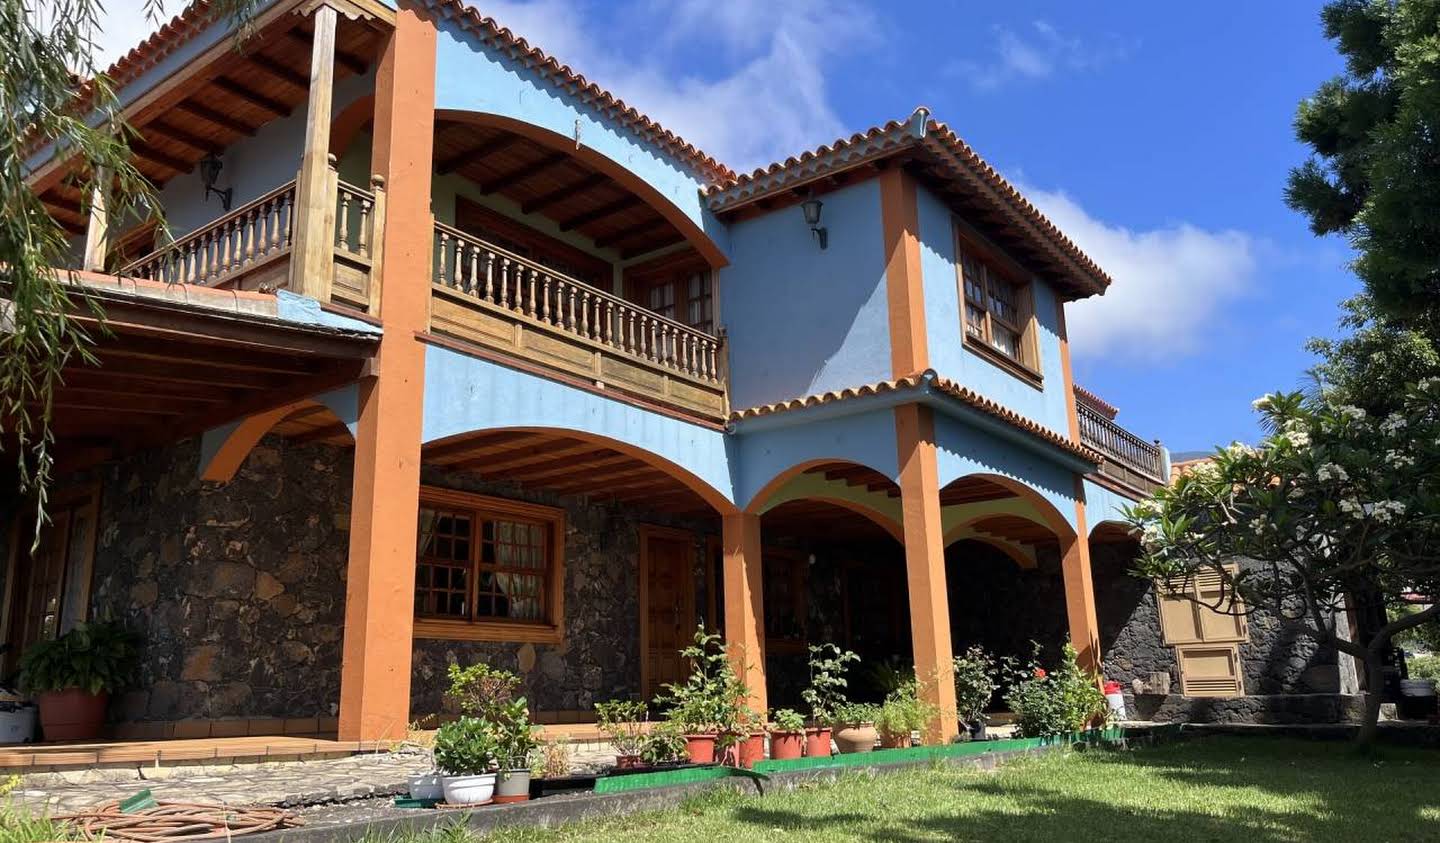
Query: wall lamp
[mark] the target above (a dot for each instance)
(210, 167)
(811, 207)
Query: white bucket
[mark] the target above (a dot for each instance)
(18, 726)
(1117, 704)
(469, 790)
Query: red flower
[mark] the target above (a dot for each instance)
(1039, 673)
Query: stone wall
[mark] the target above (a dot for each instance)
(1002, 607)
(238, 590)
(599, 658)
(1129, 618)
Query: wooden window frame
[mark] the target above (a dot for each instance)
(799, 565)
(87, 494)
(550, 630)
(1000, 266)
(674, 271)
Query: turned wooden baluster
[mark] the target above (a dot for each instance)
(530, 307)
(608, 310)
(545, 297)
(442, 276)
(342, 225)
(364, 239)
(504, 299)
(489, 293)
(570, 308)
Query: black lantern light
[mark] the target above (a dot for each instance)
(811, 208)
(210, 167)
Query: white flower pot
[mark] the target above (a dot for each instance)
(427, 786)
(469, 790)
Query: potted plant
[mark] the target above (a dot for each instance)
(749, 732)
(623, 722)
(517, 741)
(705, 704)
(665, 744)
(1068, 700)
(976, 681)
(825, 693)
(468, 751)
(901, 715)
(787, 738)
(74, 675)
(855, 727)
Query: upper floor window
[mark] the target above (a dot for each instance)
(685, 295)
(487, 568)
(998, 314)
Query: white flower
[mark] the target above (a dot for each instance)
(1384, 511)
(1395, 459)
(1352, 507)
(1240, 449)
(1349, 412)
(1258, 525)
(1330, 471)
(1394, 423)
(1429, 384)
(1263, 402)
(1299, 438)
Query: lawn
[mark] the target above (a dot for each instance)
(1230, 789)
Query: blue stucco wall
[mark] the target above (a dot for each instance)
(762, 452)
(963, 449)
(470, 77)
(464, 394)
(1101, 504)
(950, 358)
(803, 320)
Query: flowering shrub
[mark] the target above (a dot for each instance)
(1331, 503)
(1068, 701)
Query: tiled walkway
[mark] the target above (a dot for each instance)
(288, 783)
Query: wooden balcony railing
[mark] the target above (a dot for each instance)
(251, 247)
(1128, 458)
(487, 295)
(248, 241)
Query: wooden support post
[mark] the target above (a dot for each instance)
(1080, 589)
(744, 603)
(925, 566)
(97, 231)
(380, 585)
(312, 262)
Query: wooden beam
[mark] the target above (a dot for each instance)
(486, 149)
(530, 456)
(179, 135)
(267, 65)
(97, 230)
(454, 452)
(520, 174)
(311, 261)
(239, 90)
(663, 243)
(153, 155)
(566, 468)
(225, 121)
(351, 62)
(628, 232)
(540, 203)
(600, 213)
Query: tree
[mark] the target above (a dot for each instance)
(49, 46)
(1374, 131)
(1333, 505)
(1370, 368)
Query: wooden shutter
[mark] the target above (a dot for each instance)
(1184, 621)
(1210, 671)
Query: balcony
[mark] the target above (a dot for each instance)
(1137, 465)
(250, 248)
(524, 310)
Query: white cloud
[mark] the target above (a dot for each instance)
(1171, 284)
(1035, 53)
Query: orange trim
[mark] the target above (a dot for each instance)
(380, 585)
(744, 603)
(760, 498)
(1080, 588)
(237, 446)
(1071, 416)
(925, 565)
(904, 288)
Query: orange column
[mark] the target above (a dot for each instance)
(904, 288)
(380, 588)
(1080, 589)
(744, 603)
(925, 565)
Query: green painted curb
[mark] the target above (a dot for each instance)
(668, 778)
(927, 753)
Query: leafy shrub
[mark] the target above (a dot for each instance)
(712, 698)
(1424, 667)
(855, 714)
(903, 711)
(826, 692)
(788, 720)
(665, 743)
(1052, 704)
(467, 747)
(481, 690)
(976, 681)
(623, 721)
(97, 657)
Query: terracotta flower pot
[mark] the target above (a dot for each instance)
(628, 762)
(856, 737)
(900, 741)
(817, 742)
(785, 746)
(750, 749)
(700, 749)
(72, 714)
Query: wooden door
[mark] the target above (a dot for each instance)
(51, 591)
(667, 605)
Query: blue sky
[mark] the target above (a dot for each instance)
(1158, 135)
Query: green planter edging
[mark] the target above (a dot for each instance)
(926, 753)
(668, 778)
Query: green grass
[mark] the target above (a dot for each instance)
(1237, 790)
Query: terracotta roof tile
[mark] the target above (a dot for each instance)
(1096, 403)
(547, 66)
(950, 388)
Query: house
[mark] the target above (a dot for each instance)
(450, 354)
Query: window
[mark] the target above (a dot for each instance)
(997, 310)
(685, 297)
(50, 591)
(488, 569)
(697, 302)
